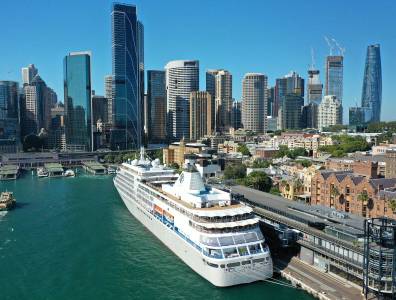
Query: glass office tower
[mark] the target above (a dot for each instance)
(77, 88)
(372, 82)
(9, 116)
(156, 93)
(335, 76)
(128, 73)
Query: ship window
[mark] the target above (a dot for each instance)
(212, 265)
(210, 241)
(226, 241)
(258, 260)
(230, 252)
(239, 239)
(246, 262)
(255, 249)
(235, 264)
(243, 250)
(250, 237)
(222, 266)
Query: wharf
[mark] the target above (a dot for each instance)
(9, 172)
(94, 167)
(318, 284)
(54, 169)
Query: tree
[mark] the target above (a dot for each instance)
(234, 171)
(363, 196)
(305, 163)
(261, 163)
(174, 165)
(334, 192)
(32, 142)
(392, 204)
(242, 148)
(257, 180)
(275, 191)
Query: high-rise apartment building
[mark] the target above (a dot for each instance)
(128, 85)
(292, 83)
(9, 117)
(254, 98)
(372, 82)
(329, 112)
(335, 76)
(314, 87)
(28, 73)
(109, 95)
(291, 111)
(200, 115)
(182, 78)
(156, 102)
(78, 105)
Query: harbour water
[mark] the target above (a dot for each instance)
(72, 238)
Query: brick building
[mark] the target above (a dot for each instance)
(353, 193)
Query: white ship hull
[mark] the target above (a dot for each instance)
(221, 277)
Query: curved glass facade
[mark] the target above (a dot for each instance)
(372, 82)
(127, 61)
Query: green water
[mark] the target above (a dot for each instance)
(73, 238)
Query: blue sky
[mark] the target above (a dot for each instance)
(272, 37)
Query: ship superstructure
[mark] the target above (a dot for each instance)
(217, 237)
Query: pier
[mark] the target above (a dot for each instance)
(54, 169)
(94, 168)
(9, 172)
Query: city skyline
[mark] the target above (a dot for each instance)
(254, 56)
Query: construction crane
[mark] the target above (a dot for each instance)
(331, 46)
(341, 49)
(312, 59)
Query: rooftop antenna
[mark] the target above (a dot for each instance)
(331, 46)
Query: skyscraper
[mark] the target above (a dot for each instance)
(270, 101)
(78, 105)
(200, 115)
(292, 83)
(223, 100)
(254, 99)
(291, 111)
(329, 112)
(314, 88)
(211, 89)
(109, 94)
(335, 76)
(236, 116)
(36, 106)
(156, 99)
(182, 78)
(127, 65)
(28, 74)
(9, 117)
(99, 109)
(360, 116)
(372, 82)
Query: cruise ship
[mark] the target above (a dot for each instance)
(216, 236)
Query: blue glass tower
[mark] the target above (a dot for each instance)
(77, 88)
(372, 82)
(128, 74)
(9, 116)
